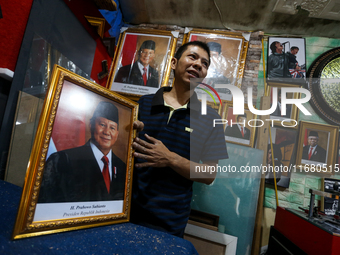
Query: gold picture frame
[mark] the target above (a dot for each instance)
(57, 199)
(292, 112)
(322, 158)
(232, 132)
(98, 23)
(228, 52)
(126, 76)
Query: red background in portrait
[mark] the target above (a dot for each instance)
(129, 49)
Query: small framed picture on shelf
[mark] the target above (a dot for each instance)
(330, 205)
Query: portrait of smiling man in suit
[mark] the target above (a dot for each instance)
(140, 72)
(91, 172)
(313, 151)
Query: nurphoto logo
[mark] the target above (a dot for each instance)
(238, 104)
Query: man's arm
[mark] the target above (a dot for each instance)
(157, 155)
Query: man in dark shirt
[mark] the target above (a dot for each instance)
(293, 63)
(278, 62)
(175, 138)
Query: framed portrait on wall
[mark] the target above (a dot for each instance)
(280, 118)
(142, 61)
(284, 148)
(239, 129)
(228, 52)
(286, 60)
(317, 147)
(80, 169)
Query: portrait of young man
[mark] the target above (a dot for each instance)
(173, 138)
(140, 72)
(91, 172)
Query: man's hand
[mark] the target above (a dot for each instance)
(138, 125)
(154, 152)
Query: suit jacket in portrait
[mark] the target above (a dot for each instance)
(318, 155)
(74, 175)
(133, 75)
(234, 131)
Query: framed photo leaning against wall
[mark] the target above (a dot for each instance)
(80, 169)
(142, 61)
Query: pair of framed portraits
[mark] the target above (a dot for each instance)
(142, 60)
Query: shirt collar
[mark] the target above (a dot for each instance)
(194, 103)
(98, 154)
(141, 66)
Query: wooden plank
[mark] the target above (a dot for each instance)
(262, 144)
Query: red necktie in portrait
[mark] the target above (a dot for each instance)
(106, 173)
(144, 76)
(310, 152)
(242, 132)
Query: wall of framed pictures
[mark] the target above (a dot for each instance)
(296, 194)
(243, 62)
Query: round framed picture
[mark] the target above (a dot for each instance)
(324, 85)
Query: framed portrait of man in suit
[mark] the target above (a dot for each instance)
(142, 61)
(228, 52)
(239, 129)
(290, 116)
(80, 169)
(317, 147)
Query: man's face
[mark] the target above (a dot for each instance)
(146, 56)
(194, 63)
(105, 134)
(241, 119)
(313, 140)
(214, 54)
(294, 52)
(279, 47)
